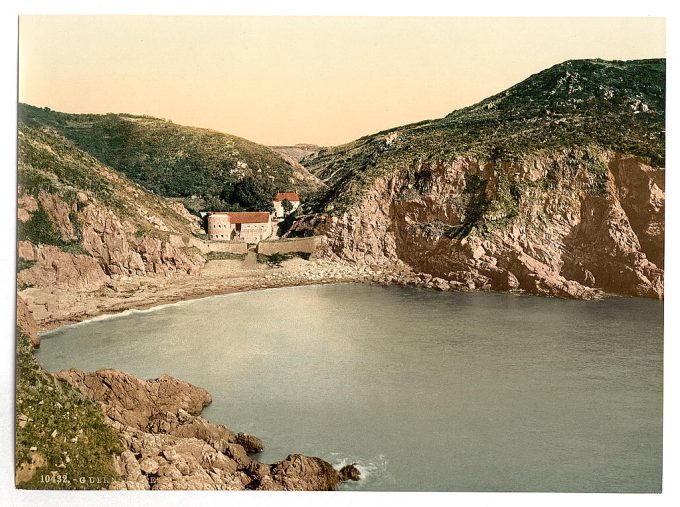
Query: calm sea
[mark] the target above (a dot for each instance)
(423, 390)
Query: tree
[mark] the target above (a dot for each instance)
(216, 204)
(288, 221)
(287, 207)
(253, 194)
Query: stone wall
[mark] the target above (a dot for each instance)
(308, 245)
(256, 232)
(236, 247)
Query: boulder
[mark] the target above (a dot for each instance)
(169, 446)
(349, 473)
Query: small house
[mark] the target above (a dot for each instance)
(292, 197)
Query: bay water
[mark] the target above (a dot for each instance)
(424, 390)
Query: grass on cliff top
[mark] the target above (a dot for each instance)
(586, 104)
(67, 431)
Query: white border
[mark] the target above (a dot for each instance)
(10, 496)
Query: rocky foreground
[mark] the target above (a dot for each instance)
(168, 445)
(110, 429)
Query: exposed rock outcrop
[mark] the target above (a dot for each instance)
(26, 323)
(55, 267)
(114, 244)
(135, 402)
(59, 213)
(640, 189)
(110, 247)
(169, 446)
(565, 224)
(26, 204)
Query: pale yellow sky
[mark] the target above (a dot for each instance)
(286, 80)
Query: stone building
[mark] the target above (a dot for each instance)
(291, 197)
(247, 226)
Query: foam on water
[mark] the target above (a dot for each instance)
(373, 470)
(127, 313)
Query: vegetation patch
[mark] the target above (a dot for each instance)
(276, 259)
(39, 229)
(505, 203)
(23, 264)
(225, 256)
(59, 432)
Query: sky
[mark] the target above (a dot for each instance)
(287, 80)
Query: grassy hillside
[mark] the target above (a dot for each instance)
(51, 164)
(592, 104)
(59, 434)
(298, 151)
(220, 171)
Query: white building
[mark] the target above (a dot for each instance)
(247, 226)
(291, 197)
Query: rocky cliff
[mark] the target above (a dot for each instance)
(544, 226)
(169, 446)
(554, 187)
(80, 223)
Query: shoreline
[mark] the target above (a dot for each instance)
(56, 307)
(145, 293)
(167, 444)
(180, 298)
(153, 293)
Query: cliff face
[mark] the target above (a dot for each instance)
(567, 224)
(554, 186)
(80, 223)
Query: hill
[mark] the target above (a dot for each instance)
(80, 222)
(614, 105)
(554, 186)
(205, 168)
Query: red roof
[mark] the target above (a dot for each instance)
(246, 217)
(291, 196)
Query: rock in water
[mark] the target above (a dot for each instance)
(303, 473)
(349, 473)
(249, 442)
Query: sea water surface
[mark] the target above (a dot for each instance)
(423, 390)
